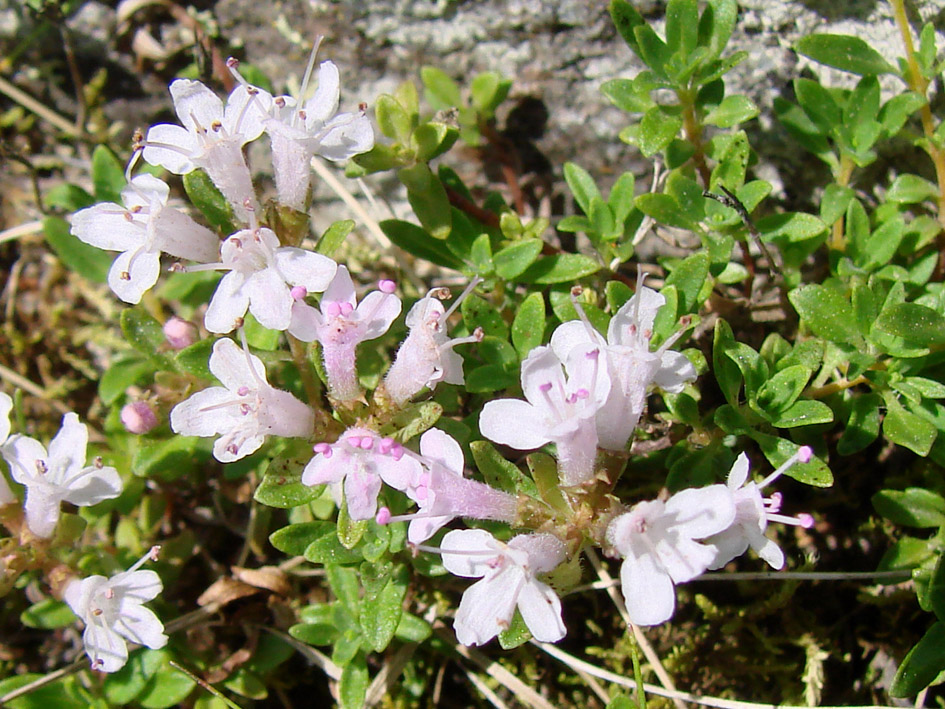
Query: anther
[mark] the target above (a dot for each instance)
(323, 449)
(98, 463)
(386, 286)
(125, 276)
(242, 391)
(42, 467)
(367, 443)
(383, 516)
(298, 292)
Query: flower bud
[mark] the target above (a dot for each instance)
(138, 417)
(179, 333)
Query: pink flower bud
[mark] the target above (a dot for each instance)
(179, 333)
(138, 417)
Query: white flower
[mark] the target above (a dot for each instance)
(59, 475)
(752, 514)
(509, 580)
(357, 463)
(299, 132)
(212, 138)
(341, 323)
(6, 406)
(112, 611)
(426, 356)
(259, 279)
(633, 367)
(141, 229)
(658, 543)
(559, 409)
(244, 410)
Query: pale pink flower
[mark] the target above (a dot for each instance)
(59, 475)
(244, 411)
(113, 612)
(508, 581)
(141, 228)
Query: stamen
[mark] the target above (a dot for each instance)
(383, 516)
(385, 445)
(249, 360)
(332, 309)
(353, 441)
(323, 449)
(346, 308)
(462, 296)
(582, 316)
(803, 455)
(98, 463)
(243, 390)
(386, 286)
(42, 467)
(298, 292)
(367, 443)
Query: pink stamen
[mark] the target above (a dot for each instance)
(384, 445)
(806, 520)
(298, 292)
(332, 309)
(323, 449)
(804, 454)
(397, 451)
(353, 441)
(243, 390)
(386, 286)
(367, 443)
(383, 516)
(346, 308)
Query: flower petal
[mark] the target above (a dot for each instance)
(140, 625)
(361, 491)
(513, 423)
(6, 405)
(42, 510)
(701, 512)
(674, 373)
(269, 299)
(648, 590)
(442, 448)
(139, 586)
(640, 311)
(106, 648)
(236, 444)
(177, 156)
(228, 305)
(197, 107)
(305, 322)
(22, 453)
(92, 485)
(738, 475)
(67, 451)
(322, 470)
(346, 135)
(464, 552)
(305, 268)
(541, 611)
(144, 190)
(108, 226)
(177, 234)
(234, 367)
(202, 414)
(340, 290)
(487, 607)
(378, 311)
(246, 112)
(133, 273)
(324, 102)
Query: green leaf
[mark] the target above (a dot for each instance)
(835, 202)
(47, 615)
(122, 374)
(67, 197)
(689, 277)
(916, 323)
(489, 378)
(143, 332)
(627, 95)
(392, 119)
(428, 198)
(380, 612)
(732, 111)
(205, 196)
(487, 91)
(412, 629)
(123, 686)
(782, 390)
(528, 327)
(281, 485)
(716, 25)
(169, 459)
(354, 683)
(682, 26)
(477, 312)
(516, 634)
(862, 425)
(922, 664)
(166, 688)
(314, 633)
(295, 538)
(657, 129)
(779, 450)
(334, 237)
(906, 428)
(727, 372)
(560, 268)
(195, 359)
(844, 52)
(582, 185)
(416, 241)
(626, 20)
(511, 261)
(59, 695)
(790, 226)
(665, 209)
(803, 413)
(414, 419)
(819, 105)
(328, 550)
(499, 472)
(442, 91)
(911, 189)
(620, 198)
(108, 175)
(826, 312)
(77, 256)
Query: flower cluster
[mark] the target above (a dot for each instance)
(584, 395)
